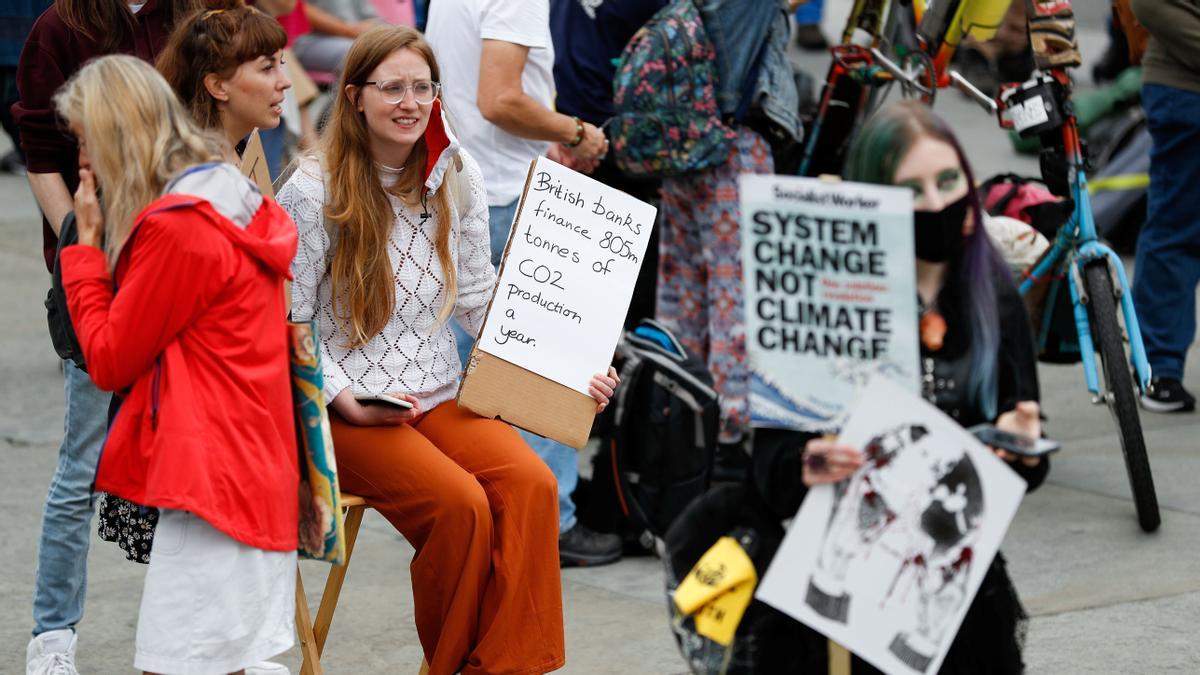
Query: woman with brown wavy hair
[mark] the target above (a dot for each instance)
(393, 229)
(226, 65)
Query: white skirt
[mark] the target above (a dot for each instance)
(211, 604)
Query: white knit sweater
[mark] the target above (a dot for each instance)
(413, 354)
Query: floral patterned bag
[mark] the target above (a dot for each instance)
(664, 93)
(322, 535)
(128, 525)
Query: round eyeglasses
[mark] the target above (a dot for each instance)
(394, 91)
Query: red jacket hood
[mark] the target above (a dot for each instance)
(270, 237)
(253, 223)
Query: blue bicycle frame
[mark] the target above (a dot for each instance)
(1075, 246)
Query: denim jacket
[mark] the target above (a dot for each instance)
(739, 29)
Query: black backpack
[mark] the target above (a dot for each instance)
(58, 319)
(657, 450)
(766, 640)
(752, 512)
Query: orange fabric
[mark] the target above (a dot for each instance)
(481, 509)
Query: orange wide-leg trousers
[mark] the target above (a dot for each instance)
(481, 509)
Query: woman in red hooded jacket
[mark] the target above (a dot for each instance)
(195, 339)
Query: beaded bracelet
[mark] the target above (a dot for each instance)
(578, 132)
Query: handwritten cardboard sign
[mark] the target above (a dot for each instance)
(887, 562)
(567, 278)
(830, 280)
(254, 164)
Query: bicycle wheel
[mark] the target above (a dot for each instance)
(841, 120)
(1120, 396)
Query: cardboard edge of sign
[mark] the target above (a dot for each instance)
(254, 164)
(497, 389)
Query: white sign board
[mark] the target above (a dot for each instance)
(886, 563)
(568, 274)
(831, 299)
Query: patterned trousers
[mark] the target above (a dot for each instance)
(700, 272)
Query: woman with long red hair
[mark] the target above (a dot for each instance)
(393, 244)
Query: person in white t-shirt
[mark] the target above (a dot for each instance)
(497, 62)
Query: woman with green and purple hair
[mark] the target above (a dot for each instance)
(977, 352)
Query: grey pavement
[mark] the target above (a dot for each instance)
(1104, 597)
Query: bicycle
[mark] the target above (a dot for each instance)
(922, 44)
(1097, 283)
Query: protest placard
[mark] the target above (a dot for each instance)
(888, 561)
(254, 164)
(830, 295)
(564, 287)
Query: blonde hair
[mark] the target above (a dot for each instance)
(138, 136)
(357, 204)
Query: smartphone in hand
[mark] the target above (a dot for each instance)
(383, 399)
(1018, 444)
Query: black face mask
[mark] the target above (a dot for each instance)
(939, 233)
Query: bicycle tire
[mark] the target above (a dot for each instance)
(1120, 395)
(841, 121)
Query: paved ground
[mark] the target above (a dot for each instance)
(1105, 597)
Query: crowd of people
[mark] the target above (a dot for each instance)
(390, 222)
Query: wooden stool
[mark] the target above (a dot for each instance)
(312, 635)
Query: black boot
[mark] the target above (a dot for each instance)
(810, 38)
(579, 547)
(1115, 59)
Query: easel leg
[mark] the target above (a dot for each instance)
(337, 574)
(311, 664)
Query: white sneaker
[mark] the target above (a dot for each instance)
(51, 653)
(267, 668)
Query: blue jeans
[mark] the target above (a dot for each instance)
(1168, 249)
(562, 462)
(66, 521)
(499, 223)
(560, 458)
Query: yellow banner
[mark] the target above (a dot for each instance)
(717, 590)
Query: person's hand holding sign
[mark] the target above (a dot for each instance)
(827, 461)
(602, 388)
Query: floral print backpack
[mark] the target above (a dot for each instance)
(667, 122)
